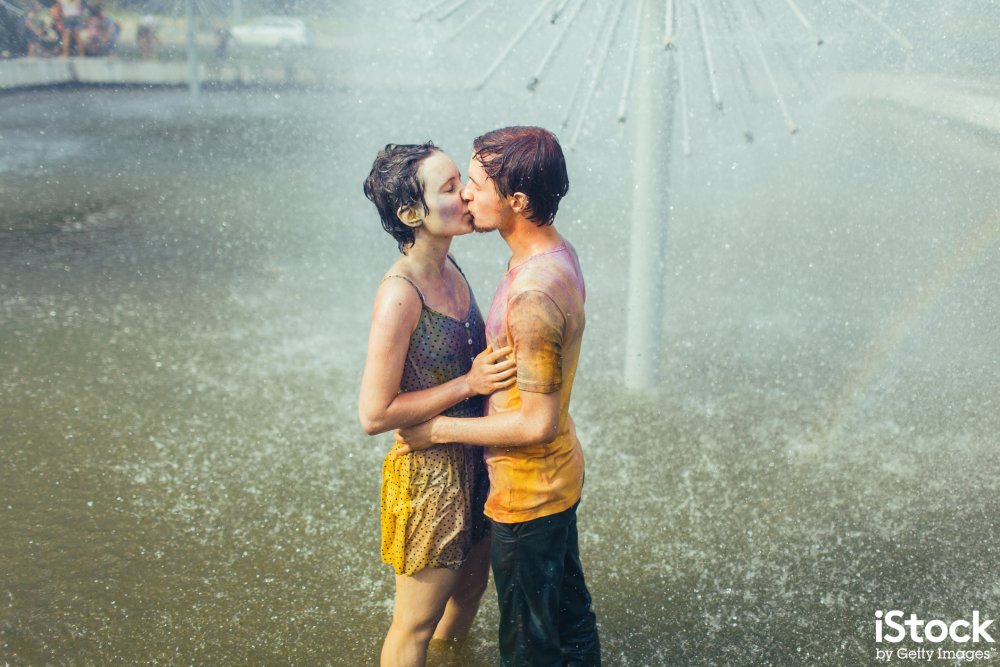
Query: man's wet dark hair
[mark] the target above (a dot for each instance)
(393, 184)
(528, 160)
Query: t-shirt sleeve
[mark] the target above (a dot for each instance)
(536, 326)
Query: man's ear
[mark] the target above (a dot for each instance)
(518, 202)
(409, 216)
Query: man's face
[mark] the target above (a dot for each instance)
(489, 210)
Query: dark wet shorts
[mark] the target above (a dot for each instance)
(546, 618)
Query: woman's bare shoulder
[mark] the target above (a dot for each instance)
(398, 298)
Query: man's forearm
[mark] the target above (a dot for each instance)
(505, 429)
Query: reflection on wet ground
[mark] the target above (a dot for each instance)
(185, 300)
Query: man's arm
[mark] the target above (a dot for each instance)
(536, 422)
(536, 326)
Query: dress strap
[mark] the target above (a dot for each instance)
(455, 264)
(413, 284)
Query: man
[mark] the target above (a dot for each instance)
(517, 176)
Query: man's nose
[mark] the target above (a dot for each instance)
(465, 193)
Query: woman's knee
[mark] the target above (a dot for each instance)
(421, 598)
(418, 627)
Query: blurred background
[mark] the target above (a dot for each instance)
(186, 283)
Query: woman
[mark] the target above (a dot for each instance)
(422, 361)
(72, 24)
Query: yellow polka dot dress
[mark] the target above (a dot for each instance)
(432, 501)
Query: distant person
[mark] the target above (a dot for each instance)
(55, 13)
(72, 15)
(43, 40)
(92, 37)
(516, 179)
(427, 356)
(146, 38)
(102, 33)
(222, 37)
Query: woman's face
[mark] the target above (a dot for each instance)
(447, 213)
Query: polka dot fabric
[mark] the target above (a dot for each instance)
(432, 501)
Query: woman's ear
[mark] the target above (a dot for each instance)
(408, 216)
(518, 202)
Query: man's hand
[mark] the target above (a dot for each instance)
(415, 438)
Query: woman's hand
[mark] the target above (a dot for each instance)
(415, 438)
(491, 372)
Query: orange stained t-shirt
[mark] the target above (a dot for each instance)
(538, 308)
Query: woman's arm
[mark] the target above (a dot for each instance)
(381, 406)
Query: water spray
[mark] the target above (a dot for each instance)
(537, 77)
(668, 25)
(430, 10)
(627, 83)
(558, 11)
(528, 25)
(469, 21)
(451, 10)
(789, 123)
(805, 22)
(707, 50)
(896, 35)
(597, 74)
(588, 66)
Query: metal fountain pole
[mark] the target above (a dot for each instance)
(652, 149)
(193, 83)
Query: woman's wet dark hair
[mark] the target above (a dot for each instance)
(393, 184)
(528, 160)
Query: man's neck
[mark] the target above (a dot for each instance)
(526, 239)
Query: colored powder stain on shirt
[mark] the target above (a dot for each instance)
(539, 309)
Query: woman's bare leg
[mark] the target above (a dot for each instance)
(469, 588)
(420, 602)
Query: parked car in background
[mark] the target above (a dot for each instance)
(272, 31)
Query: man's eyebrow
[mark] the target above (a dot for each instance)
(473, 179)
